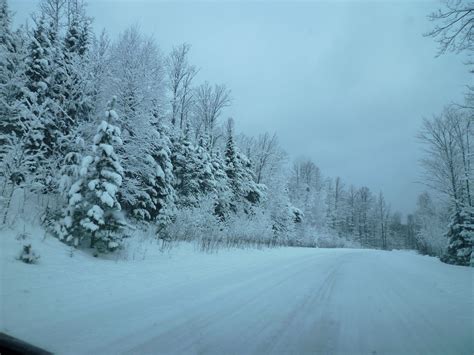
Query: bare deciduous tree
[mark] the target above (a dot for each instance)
(53, 10)
(180, 76)
(264, 152)
(210, 102)
(60, 13)
(383, 213)
(448, 169)
(446, 162)
(454, 29)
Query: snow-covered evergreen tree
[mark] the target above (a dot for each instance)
(104, 218)
(39, 62)
(283, 214)
(460, 238)
(75, 172)
(93, 198)
(194, 172)
(207, 177)
(148, 190)
(77, 91)
(11, 76)
(37, 106)
(185, 169)
(164, 195)
(223, 190)
(240, 174)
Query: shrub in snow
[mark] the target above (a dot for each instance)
(330, 240)
(27, 255)
(23, 236)
(243, 229)
(200, 224)
(430, 239)
(195, 222)
(430, 226)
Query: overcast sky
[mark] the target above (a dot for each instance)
(343, 83)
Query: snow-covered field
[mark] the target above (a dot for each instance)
(286, 300)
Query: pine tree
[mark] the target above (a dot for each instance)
(104, 219)
(74, 175)
(240, 174)
(460, 238)
(39, 62)
(185, 169)
(5, 23)
(164, 195)
(153, 174)
(206, 176)
(11, 77)
(77, 94)
(37, 108)
(283, 215)
(193, 170)
(83, 37)
(223, 191)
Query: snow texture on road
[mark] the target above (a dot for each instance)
(278, 301)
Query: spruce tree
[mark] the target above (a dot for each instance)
(186, 167)
(11, 79)
(39, 63)
(74, 175)
(77, 95)
(5, 24)
(103, 217)
(240, 176)
(223, 191)
(37, 107)
(164, 195)
(460, 238)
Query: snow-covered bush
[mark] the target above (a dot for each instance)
(326, 238)
(431, 225)
(27, 255)
(200, 224)
(431, 239)
(23, 236)
(331, 241)
(243, 229)
(195, 223)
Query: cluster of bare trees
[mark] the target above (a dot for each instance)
(354, 214)
(197, 106)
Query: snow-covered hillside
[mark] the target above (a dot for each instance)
(284, 300)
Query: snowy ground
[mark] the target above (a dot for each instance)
(285, 300)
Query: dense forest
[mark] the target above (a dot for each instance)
(101, 137)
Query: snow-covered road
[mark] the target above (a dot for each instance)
(285, 301)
